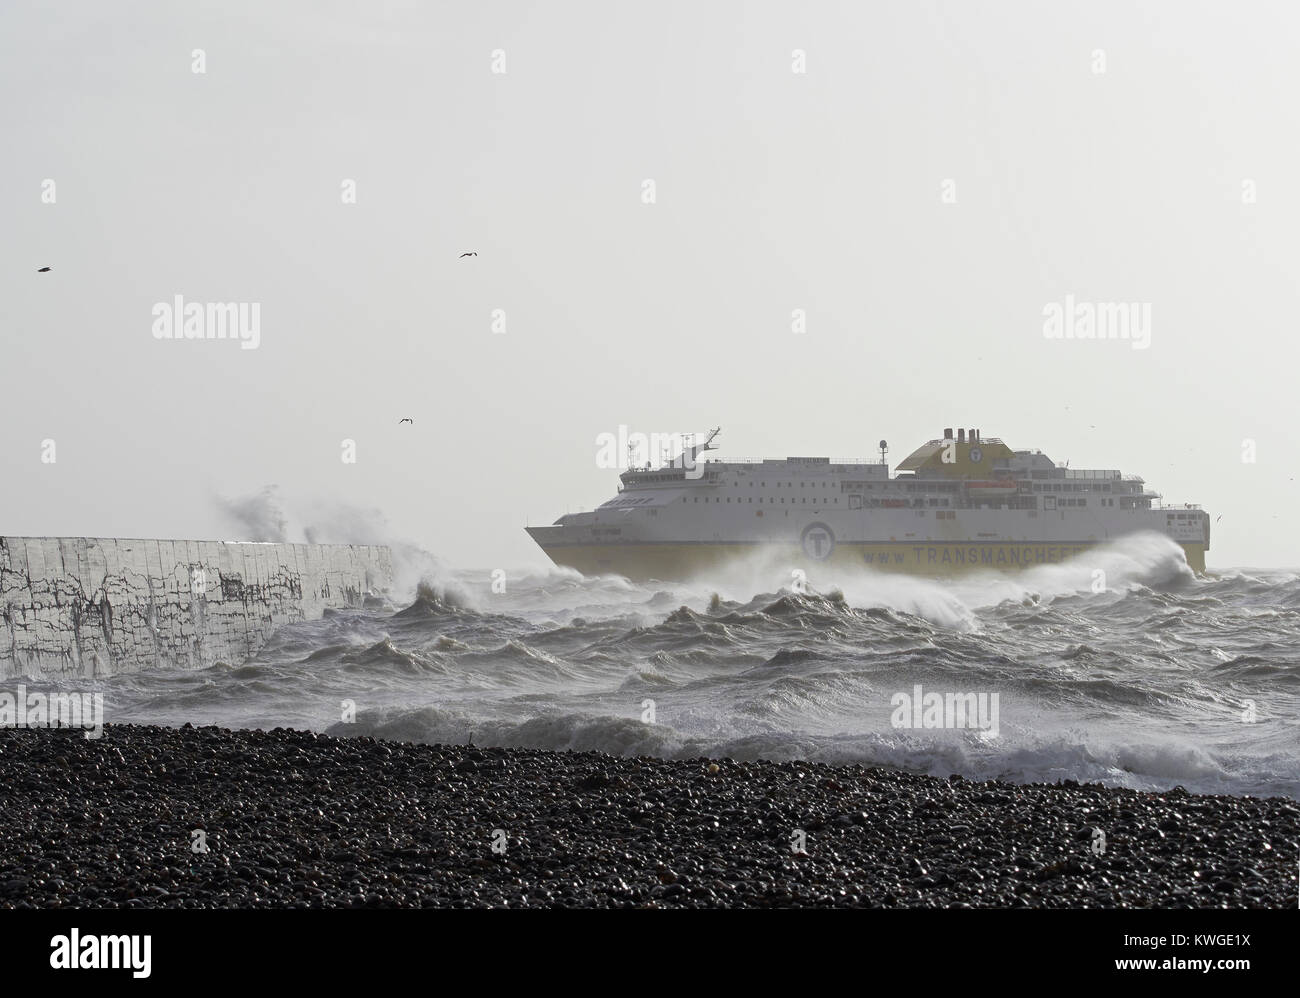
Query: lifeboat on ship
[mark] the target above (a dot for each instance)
(1002, 487)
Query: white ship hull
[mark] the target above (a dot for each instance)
(945, 518)
(893, 540)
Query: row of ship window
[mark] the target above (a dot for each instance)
(778, 485)
(914, 486)
(1072, 487)
(760, 500)
(876, 502)
(622, 501)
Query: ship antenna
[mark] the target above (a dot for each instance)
(884, 449)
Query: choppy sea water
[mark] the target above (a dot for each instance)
(1162, 679)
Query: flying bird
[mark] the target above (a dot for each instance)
(408, 419)
(463, 255)
(43, 270)
(1218, 518)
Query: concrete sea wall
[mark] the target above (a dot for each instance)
(85, 607)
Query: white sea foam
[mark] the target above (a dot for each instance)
(1145, 684)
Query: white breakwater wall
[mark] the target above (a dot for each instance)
(87, 606)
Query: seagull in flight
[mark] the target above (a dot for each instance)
(408, 419)
(463, 255)
(43, 270)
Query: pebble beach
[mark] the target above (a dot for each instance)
(188, 817)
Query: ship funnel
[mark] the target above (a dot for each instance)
(961, 437)
(947, 433)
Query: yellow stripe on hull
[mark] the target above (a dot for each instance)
(641, 562)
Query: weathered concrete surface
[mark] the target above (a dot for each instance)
(83, 606)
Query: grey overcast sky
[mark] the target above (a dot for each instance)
(1115, 152)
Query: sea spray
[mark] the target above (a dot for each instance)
(1146, 684)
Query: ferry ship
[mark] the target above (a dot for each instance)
(962, 502)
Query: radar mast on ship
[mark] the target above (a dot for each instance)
(690, 453)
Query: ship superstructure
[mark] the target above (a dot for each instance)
(960, 502)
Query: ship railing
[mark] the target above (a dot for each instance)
(1107, 473)
(780, 460)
